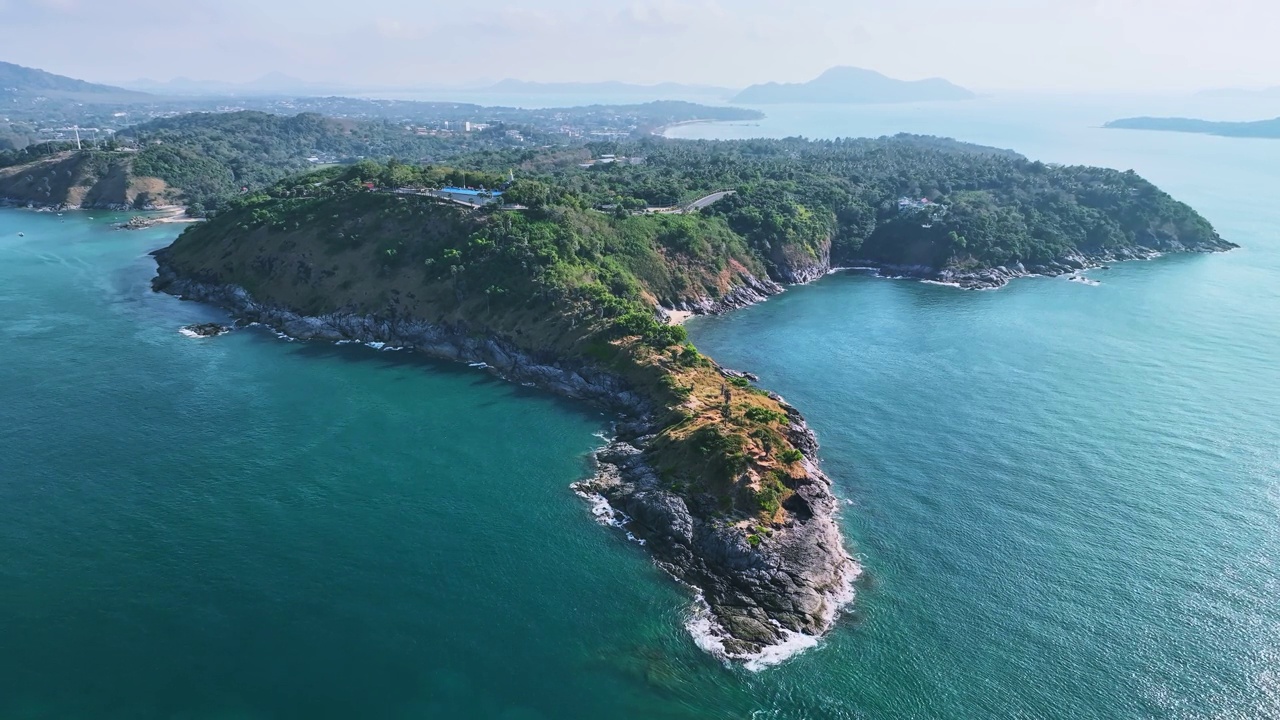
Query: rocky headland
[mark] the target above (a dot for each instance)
(762, 584)
(718, 477)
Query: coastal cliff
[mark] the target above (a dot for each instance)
(90, 179)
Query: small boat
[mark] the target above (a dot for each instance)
(22, 234)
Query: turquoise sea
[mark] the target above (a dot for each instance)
(1066, 498)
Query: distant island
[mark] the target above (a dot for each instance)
(1239, 93)
(1256, 129)
(853, 85)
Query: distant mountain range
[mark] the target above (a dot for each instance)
(853, 85)
(837, 85)
(270, 84)
(667, 90)
(279, 84)
(1222, 93)
(1256, 129)
(25, 81)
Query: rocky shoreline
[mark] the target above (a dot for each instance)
(753, 291)
(759, 595)
(60, 207)
(137, 222)
(791, 581)
(574, 380)
(997, 277)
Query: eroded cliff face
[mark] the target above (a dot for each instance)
(760, 587)
(800, 264)
(792, 265)
(89, 179)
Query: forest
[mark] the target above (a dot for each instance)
(967, 205)
(212, 157)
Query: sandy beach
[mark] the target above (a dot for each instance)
(678, 317)
(176, 215)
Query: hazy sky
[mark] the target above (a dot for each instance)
(1103, 45)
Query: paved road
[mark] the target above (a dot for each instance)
(708, 200)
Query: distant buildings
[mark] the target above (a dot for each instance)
(611, 160)
(468, 196)
(924, 208)
(906, 204)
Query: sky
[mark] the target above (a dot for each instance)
(1033, 45)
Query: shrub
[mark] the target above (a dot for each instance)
(690, 357)
(654, 333)
(790, 456)
(755, 413)
(769, 496)
(726, 454)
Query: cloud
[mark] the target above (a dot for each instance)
(59, 6)
(653, 16)
(1085, 44)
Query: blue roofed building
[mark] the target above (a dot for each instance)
(469, 196)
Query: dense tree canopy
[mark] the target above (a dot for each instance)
(212, 156)
(985, 206)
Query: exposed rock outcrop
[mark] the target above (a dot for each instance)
(753, 290)
(206, 330)
(762, 586)
(574, 380)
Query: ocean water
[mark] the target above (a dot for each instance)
(1066, 498)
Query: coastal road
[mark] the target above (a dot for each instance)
(707, 200)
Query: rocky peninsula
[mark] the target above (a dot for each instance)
(571, 293)
(763, 580)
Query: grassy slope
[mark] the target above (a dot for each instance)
(569, 285)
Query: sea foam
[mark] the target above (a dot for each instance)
(605, 513)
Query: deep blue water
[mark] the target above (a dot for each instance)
(1067, 498)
